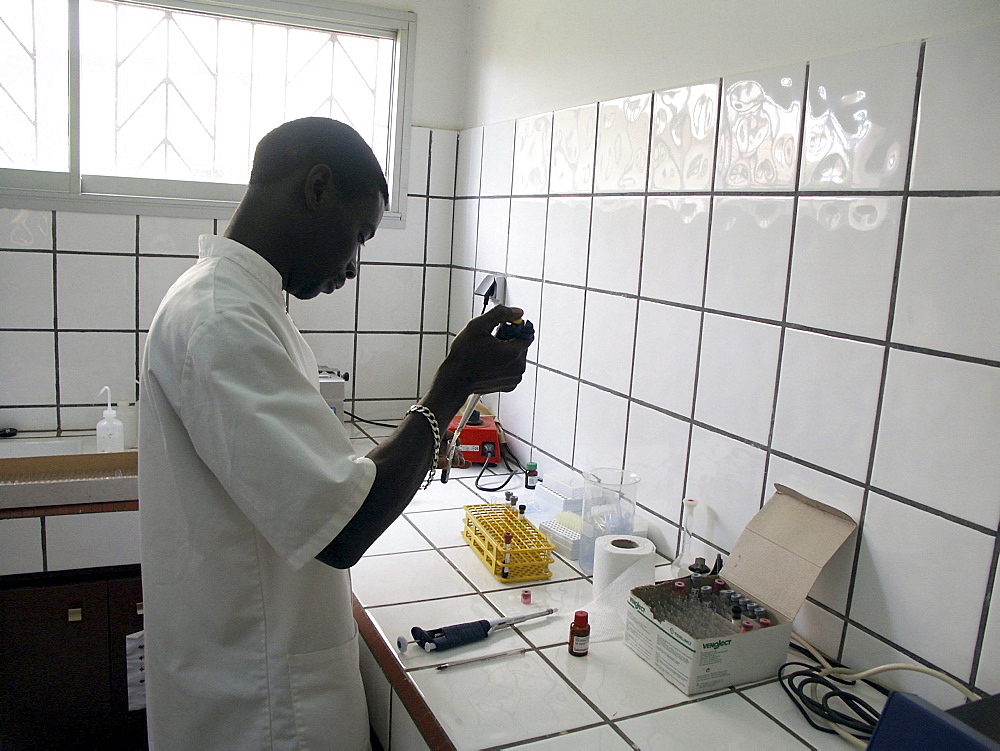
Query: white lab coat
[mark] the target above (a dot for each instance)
(244, 476)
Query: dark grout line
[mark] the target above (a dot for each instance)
(740, 693)
(991, 589)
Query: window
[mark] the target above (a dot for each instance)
(168, 98)
(34, 90)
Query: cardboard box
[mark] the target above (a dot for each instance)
(775, 563)
(31, 481)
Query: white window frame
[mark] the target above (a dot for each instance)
(74, 191)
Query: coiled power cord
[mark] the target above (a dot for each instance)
(817, 692)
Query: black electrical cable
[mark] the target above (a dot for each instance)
(510, 470)
(368, 422)
(797, 685)
(512, 456)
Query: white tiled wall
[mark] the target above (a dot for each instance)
(80, 289)
(786, 276)
(75, 541)
(69, 541)
(20, 546)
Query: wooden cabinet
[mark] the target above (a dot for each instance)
(62, 661)
(124, 618)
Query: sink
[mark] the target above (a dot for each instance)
(59, 471)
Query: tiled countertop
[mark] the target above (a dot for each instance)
(421, 572)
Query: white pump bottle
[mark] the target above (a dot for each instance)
(110, 431)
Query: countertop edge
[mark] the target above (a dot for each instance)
(408, 693)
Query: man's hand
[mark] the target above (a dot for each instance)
(458, 460)
(478, 362)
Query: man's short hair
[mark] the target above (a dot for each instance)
(304, 143)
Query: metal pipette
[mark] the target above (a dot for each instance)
(467, 410)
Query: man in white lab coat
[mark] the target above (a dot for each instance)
(253, 504)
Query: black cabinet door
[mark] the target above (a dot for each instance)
(55, 689)
(125, 617)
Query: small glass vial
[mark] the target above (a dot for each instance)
(736, 616)
(530, 475)
(695, 585)
(579, 634)
(723, 602)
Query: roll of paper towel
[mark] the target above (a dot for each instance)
(625, 557)
(621, 562)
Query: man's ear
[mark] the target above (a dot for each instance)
(317, 184)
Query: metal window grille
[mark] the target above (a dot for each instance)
(168, 98)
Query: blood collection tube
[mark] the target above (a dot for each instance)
(525, 596)
(718, 586)
(746, 627)
(680, 590)
(507, 537)
(765, 622)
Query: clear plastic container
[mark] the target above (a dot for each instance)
(609, 498)
(110, 431)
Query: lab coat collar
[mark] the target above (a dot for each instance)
(216, 246)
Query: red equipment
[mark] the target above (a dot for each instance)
(475, 439)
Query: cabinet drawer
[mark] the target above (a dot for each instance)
(54, 680)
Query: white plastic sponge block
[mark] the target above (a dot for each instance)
(566, 541)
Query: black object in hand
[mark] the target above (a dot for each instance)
(516, 330)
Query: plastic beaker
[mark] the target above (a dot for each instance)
(608, 509)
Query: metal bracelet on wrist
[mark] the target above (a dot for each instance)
(436, 430)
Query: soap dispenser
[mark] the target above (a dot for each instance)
(110, 431)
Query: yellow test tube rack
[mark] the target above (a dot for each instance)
(530, 551)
